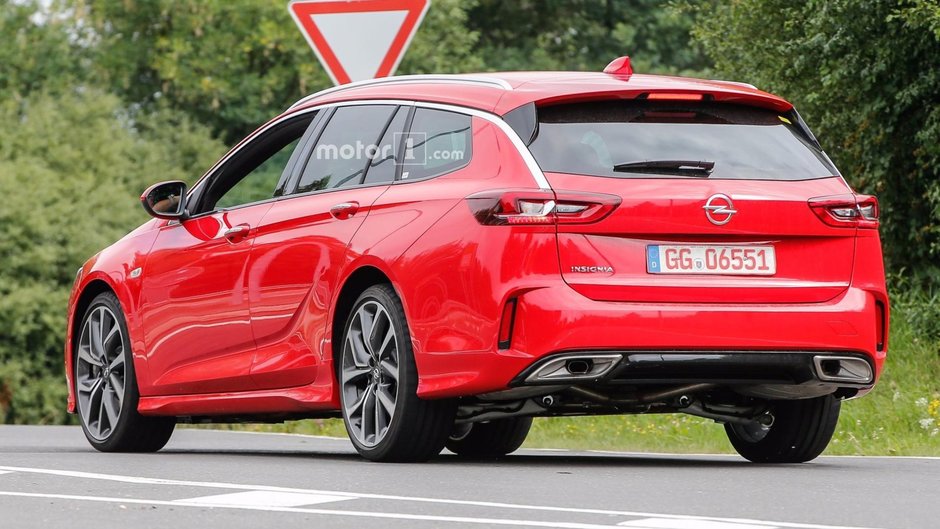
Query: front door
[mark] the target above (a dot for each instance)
(195, 306)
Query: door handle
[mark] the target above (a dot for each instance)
(237, 233)
(344, 210)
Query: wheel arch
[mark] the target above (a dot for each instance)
(92, 289)
(355, 284)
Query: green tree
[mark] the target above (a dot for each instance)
(866, 76)
(234, 65)
(585, 35)
(71, 168)
(228, 65)
(33, 55)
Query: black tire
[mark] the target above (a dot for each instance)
(416, 429)
(132, 432)
(800, 432)
(492, 438)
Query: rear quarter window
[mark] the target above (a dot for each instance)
(439, 142)
(639, 139)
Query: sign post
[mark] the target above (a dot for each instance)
(358, 39)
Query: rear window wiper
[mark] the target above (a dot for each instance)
(668, 167)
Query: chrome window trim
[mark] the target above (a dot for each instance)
(411, 79)
(241, 145)
(495, 119)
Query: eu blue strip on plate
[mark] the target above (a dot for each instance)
(652, 258)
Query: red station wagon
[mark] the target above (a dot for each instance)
(438, 259)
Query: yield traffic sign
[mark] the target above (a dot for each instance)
(358, 39)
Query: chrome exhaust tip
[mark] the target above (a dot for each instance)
(579, 366)
(843, 369)
(574, 367)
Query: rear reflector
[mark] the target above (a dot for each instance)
(527, 207)
(847, 211)
(506, 324)
(880, 325)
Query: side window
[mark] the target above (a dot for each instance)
(383, 165)
(439, 142)
(253, 174)
(345, 147)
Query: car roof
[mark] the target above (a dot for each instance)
(502, 92)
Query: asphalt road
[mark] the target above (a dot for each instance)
(50, 478)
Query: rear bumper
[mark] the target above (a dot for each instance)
(765, 374)
(716, 343)
(686, 367)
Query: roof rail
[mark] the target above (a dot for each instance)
(492, 82)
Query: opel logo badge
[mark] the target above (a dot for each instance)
(719, 209)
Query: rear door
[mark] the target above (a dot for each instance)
(301, 243)
(714, 203)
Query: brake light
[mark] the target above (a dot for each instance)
(847, 211)
(528, 207)
(670, 96)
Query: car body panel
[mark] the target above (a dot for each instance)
(291, 275)
(768, 213)
(111, 269)
(194, 302)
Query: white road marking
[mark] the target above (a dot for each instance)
(263, 498)
(662, 523)
(325, 512)
(495, 505)
(6, 471)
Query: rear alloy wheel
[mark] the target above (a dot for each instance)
(384, 417)
(801, 430)
(491, 438)
(106, 387)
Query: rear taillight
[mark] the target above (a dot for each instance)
(527, 207)
(847, 211)
(868, 210)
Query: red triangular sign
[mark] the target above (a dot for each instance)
(358, 39)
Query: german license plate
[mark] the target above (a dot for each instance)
(710, 259)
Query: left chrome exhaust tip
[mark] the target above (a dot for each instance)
(581, 366)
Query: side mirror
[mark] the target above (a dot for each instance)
(166, 200)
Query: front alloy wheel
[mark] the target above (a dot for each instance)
(106, 386)
(384, 417)
(99, 372)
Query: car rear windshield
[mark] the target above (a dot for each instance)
(640, 139)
